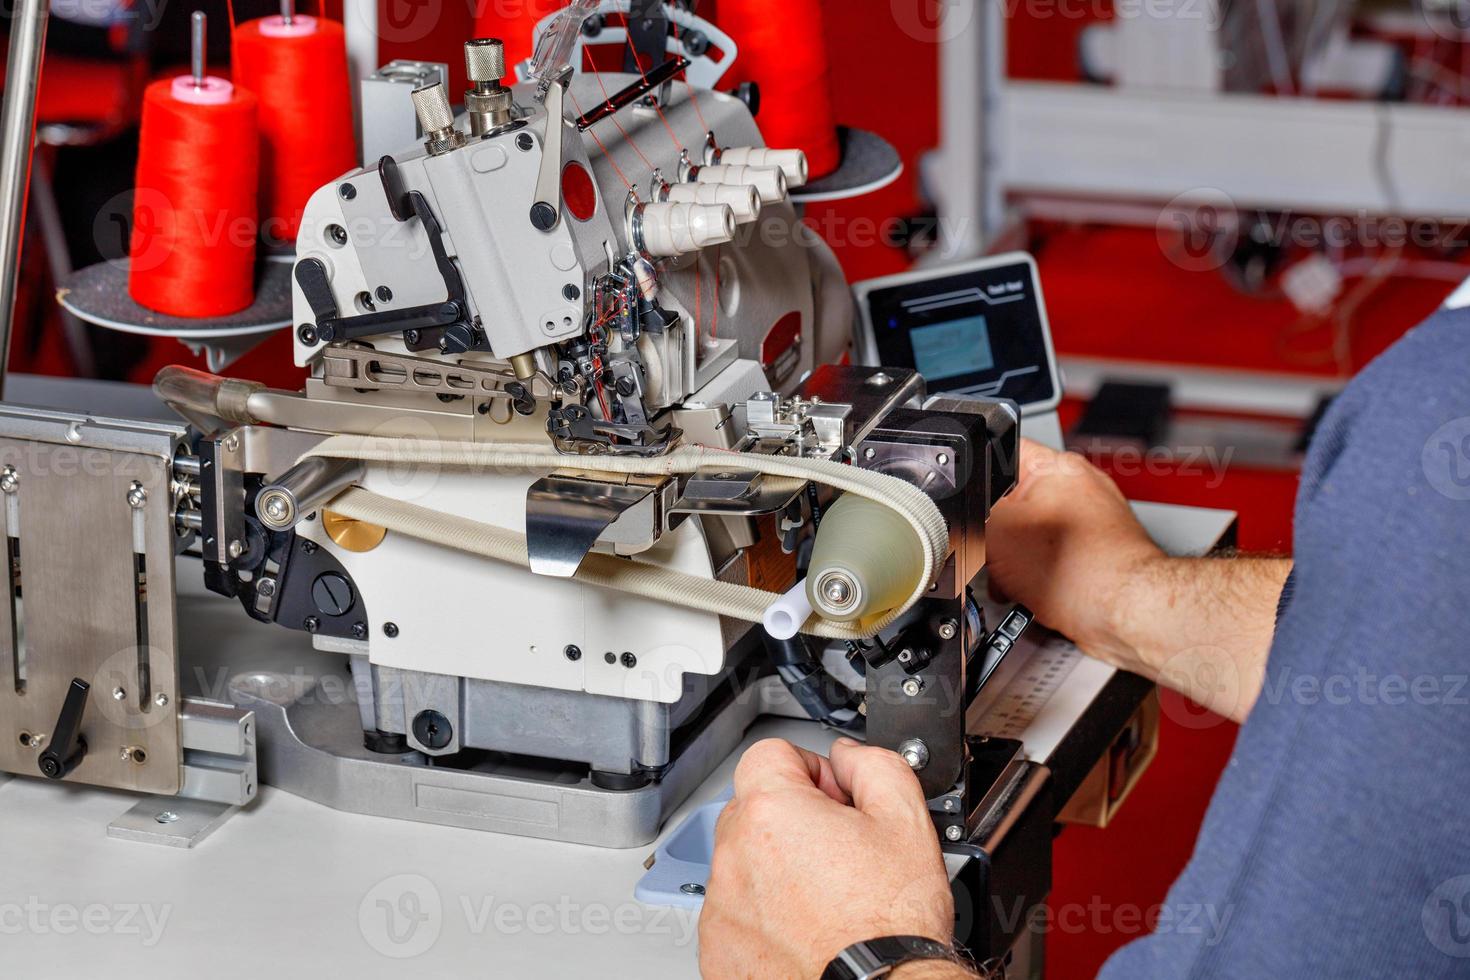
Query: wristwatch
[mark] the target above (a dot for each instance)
(879, 957)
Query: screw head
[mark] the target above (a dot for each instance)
(9, 479)
(311, 624)
(949, 629)
(235, 549)
(630, 661)
(524, 143)
(347, 191)
(573, 652)
(942, 459)
(915, 753)
(167, 816)
(118, 694)
(276, 508)
(390, 630)
(266, 587)
(161, 700)
(912, 686)
(306, 333)
(869, 453)
(359, 631)
(953, 832)
(837, 590)
(692, 888)
(137, 496)
(384, 294)
(610, 657)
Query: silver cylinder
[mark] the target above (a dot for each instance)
(484, 60)
(431, 104)
(17, 137)
(285, 502)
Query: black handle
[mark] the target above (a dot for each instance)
(67, 745)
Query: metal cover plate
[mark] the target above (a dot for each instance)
(89, 605)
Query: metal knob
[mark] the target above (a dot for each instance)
(431, 105)
(484, 60)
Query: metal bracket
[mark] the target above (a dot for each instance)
(170, 822)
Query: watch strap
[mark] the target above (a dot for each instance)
(878, 957)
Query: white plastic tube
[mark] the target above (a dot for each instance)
(769, 182)
(743, 199)
(785, 617)
(791, 162)
(674, 229)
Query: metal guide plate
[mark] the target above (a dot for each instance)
(89, 604)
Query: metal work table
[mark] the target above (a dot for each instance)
(289, 887)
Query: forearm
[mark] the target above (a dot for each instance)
(1200, 626)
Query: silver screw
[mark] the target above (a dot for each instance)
(276, 509)
(915, 753)
(692, 888)
(913, 685)
(942, 459)
(118, 694)
(137, 496)
(949, 804)
(161, 700)
(9, 480)
(167, 816)
(869, 453)
(948, 629)
(953, 832)
(232, 443)
(266, 587)
(837, 590)
(236, 549)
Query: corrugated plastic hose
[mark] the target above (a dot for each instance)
(627, 575)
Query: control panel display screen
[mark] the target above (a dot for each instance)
(952, 349)
(979, 330)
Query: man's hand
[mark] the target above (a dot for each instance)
(1063, 544)
(812, 856)
(1066, 544)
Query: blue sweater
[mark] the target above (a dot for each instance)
(1338, 840)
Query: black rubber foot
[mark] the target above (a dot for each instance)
(620, 780)
(384, 743)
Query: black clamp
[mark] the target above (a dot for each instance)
(68, 748)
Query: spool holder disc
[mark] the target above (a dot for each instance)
(869, 163)
(99, 295)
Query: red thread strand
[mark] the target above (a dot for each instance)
(306, 131)
(782, 49)
(192, 249)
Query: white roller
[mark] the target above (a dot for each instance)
(743, 199)
(674, 229)
(769, 182)
(785, 617)
(791, 163)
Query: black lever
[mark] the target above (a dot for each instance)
(67, 745)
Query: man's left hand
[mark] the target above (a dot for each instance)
(814, 855)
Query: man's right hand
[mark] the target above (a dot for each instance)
(1063, 544)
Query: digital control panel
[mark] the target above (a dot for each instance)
(974, 329)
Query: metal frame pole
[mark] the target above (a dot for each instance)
(17, 140)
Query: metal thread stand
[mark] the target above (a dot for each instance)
(17, 139)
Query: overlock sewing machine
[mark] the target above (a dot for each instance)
(581, 482)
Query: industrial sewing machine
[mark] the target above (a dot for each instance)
(578, 487)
